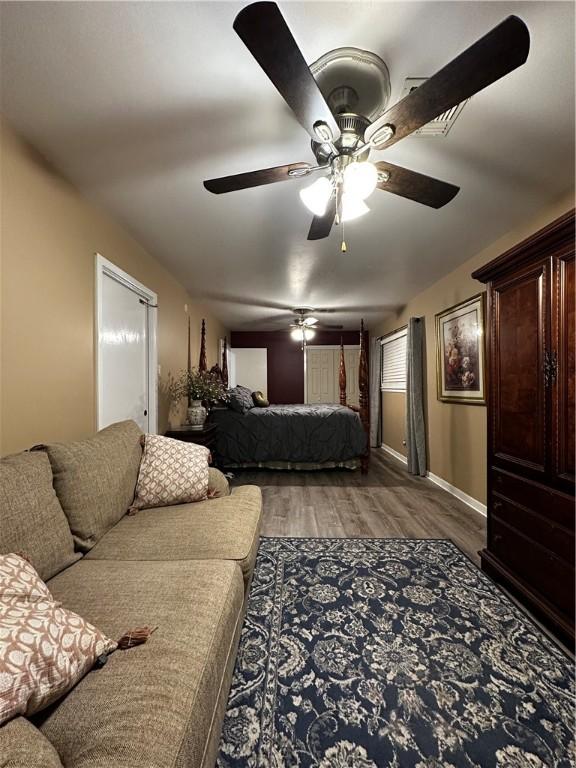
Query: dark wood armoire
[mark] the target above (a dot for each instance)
(530, 367)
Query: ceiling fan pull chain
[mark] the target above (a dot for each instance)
(343, 247)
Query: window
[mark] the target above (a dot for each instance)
(393, 362)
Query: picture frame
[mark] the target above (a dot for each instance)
(460, 352)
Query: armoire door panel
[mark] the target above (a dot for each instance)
(518, 361)
(564, 360)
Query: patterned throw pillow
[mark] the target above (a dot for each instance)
(240, 399)
(171, 472)
(44, 648)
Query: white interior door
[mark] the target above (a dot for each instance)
(126, 349)
(351, 360)
(320, 376)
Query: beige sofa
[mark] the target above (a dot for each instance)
(185, 569)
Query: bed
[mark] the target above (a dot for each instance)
(290, 436)
(313, 436)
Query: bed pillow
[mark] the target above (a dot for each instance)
(45, 649)
(171, 472)
(240, 399)
(259, 400)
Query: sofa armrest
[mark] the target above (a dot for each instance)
(217, 484)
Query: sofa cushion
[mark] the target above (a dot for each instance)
(31, 518)
(218, 485)
(152, 705)
(171, 472)
(22, 745)
(222, 529)
(44, 648)
(95, 479)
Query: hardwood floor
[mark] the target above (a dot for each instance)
(385, 503)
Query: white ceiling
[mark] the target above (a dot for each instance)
(137, 103)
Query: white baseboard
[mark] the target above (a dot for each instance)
(476, 505)
(394, 453)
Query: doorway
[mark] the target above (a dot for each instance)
(126, 365)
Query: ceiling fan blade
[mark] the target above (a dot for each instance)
(263, 30)
(256, 178)
(310, 321)
(416, 186)
(326, 327)
(496, 54)
(321, 225)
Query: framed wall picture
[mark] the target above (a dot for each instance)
(460, 352)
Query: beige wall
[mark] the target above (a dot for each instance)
(456, 438)
(49, 236)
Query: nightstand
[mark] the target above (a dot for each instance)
(205, 437)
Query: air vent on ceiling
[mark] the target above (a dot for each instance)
(440, 125)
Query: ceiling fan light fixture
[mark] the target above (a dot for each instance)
(302, 333)
(316, 196)
(353, 207)
(360, 179)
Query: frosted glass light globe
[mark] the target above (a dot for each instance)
(309, 334)
(316, 196)
(296, 334)
(352, 207)
(360, 179)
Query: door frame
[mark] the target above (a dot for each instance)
(105, 268)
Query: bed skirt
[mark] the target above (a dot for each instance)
(304, 466)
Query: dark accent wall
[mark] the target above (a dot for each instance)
(286, 359)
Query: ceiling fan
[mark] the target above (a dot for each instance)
(343, 137)
(305, 325)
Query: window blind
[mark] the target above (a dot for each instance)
(393, 362)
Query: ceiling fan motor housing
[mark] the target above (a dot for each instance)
(352, 129)
(356, 86)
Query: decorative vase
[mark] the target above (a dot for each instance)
(197, 415)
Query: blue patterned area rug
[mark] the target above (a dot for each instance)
(357, 653)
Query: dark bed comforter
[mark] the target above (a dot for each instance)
(294, 433)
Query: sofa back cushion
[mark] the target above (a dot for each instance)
(95, 479)
(31, 518)
(22, 744)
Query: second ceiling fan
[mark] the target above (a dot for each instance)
(342, 142)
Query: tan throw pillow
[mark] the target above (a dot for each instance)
(44, 648)
(171, 472)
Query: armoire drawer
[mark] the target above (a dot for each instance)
(533, 564)
(552, 504)
(537, 527)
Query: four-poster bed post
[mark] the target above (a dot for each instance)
(342, 376)
(202, 364)
(364, 399)
(225, 363)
